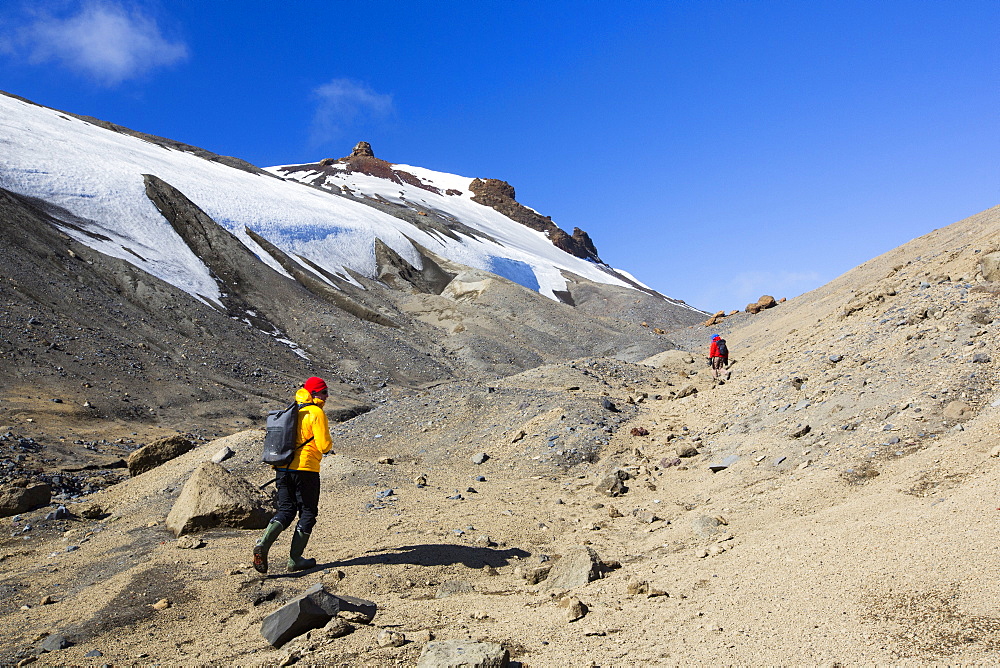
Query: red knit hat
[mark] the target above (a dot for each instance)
(314, 385)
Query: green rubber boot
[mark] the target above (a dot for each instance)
(264, 544)
(295, 560)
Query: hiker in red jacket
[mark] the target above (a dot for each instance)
(718, 356)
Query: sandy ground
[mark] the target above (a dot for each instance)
(864, 540)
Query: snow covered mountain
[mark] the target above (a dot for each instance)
(195, 275)
(96, 178)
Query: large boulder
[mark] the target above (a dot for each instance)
(767, 301)
(214, 497)
(23, 496)
(463, 654)
(715, 319)
(156, 453)
(575, 569)
(957, 410)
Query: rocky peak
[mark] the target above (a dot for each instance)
(362, 149)
(489, 188)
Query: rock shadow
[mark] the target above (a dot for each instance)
(439, 554)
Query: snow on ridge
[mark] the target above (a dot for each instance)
(522, 244)
(97, 175)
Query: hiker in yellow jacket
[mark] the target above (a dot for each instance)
(298, 483)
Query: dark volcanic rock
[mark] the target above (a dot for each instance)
(312, 610)
(499, 195)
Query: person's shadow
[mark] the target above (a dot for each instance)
(438, 554)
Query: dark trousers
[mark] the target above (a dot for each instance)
(298, 492)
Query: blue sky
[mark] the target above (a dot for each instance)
(716, 150)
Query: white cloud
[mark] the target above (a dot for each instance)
(342, 104)
(103, 40)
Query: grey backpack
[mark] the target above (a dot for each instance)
(282, 432)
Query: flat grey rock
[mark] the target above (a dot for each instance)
(463, 654)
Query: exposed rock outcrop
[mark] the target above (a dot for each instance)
(500, 196)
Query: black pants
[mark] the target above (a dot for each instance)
(298, 492)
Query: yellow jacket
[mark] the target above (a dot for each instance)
(312, 423)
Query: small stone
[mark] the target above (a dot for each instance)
(575, 609)
(53, 643)
(420, 481)
(480, 615)
(337, 628)
(453, 587)
(47, 600)
(686, 451)
(424, 635)
(162, 604)
(386, 460)
(614, 512)
(801, 431)
(638, 587)
(995, 452)
(705, 526)
(387, 638)
(537, 575)
(702, 553)
(480, 458)
(59, 513)
(94, 653)
(188, 542)
(290, 659)
(686, 391)
(92, 512)
(222, 455)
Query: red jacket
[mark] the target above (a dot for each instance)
(714, 351)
